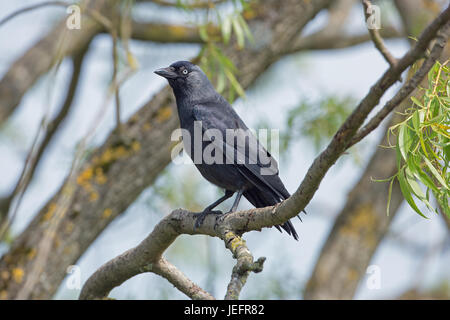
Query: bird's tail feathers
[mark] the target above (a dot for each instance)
(263, 199)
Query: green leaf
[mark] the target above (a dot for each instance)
(404, 187)
(419, 174)
(247, 31)
(226, 30)
(389, 196)
(221, 81)
(404, 140)
(203, 32)
(239, 33)
(234, 83)
(415, 188)
(435, 173)
(416, 101)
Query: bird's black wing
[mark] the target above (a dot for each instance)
(221, 116)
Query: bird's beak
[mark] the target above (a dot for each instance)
(167, 73)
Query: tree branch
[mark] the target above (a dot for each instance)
(25, 71)
(33, 7)
(169, 33)
(34, 159)
(205, 4)
(244, 265)
(376, 38)
(338, 40)
(231, 226)
(147, 257)
(405, 91)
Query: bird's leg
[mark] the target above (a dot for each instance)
(236, 201)
(209, 209)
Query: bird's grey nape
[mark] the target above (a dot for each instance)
(196, 85)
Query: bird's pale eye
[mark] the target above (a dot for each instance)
(185, 71)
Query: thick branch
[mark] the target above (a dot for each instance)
(147, 257)
(169, 33)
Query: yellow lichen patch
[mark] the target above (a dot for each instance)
(235, 241)
(362, 222)
(69, 227)
(106, 156)
(100, 177)
(4, 275)
(136, 146)
(177, 30)
(31, 254)
(163, 114)
(56, 241)
(50, 211)
(17, 275)
(93, 196)
(352, 275)
(3, 295)
(106, 213)
(147, 126)
(85, 176)
(67, 250)
(249, 14)
(120, 152)
(88, 187)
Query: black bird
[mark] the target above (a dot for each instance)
(197, 100)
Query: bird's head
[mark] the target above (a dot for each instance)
(186, 78)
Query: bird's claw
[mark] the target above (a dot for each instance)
(202, 215)
(222, 216)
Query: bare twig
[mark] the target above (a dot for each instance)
(167, 270)
(114, 35)
(51, 128)
(406, 90)
(33, 7)
(338, 40)
(376, 38)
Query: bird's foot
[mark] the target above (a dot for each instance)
(222, 216)
(200, 217)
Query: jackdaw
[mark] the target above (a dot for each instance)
(238, 170)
